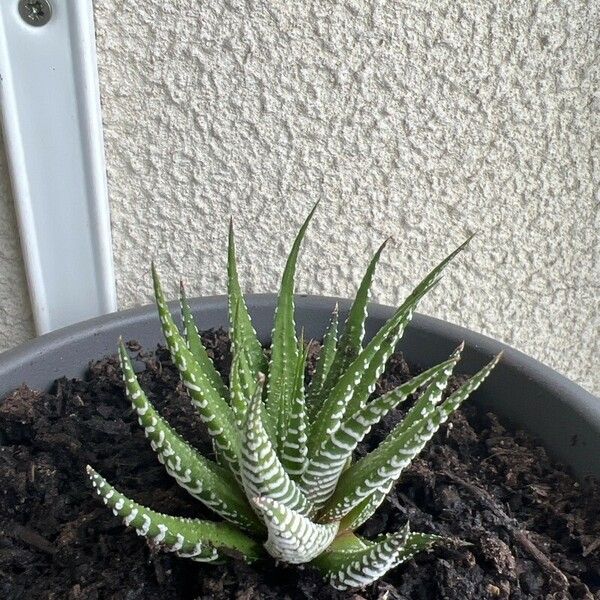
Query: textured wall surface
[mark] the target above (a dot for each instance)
(426, 121)
(16, 320)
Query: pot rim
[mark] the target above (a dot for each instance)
(546, 389)
(528, 365)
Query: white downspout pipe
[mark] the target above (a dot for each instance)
(53, 135)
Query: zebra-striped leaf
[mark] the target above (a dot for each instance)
(323, 471)
(262, 473)
(196, 347)
(213, 410)
(284, 348)
(293, 454)
(240, 388)
(316, 391)
(358, 381)
(365, 509)
(347, 569)
(241, 331)
(351, 339)
(205, 480)
(203, 541)
(390, 458)
(292, 536)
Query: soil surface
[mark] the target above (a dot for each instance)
(527, 529)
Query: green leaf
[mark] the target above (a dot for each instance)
(293, 538)
(206, 481)
(349, 568)
(213, 410)
(323, 471)
(390, 458)
(262, 473)
(351, 340)
(316, 391)
(241, 331)
(427, 403)
(293, 453)
(365, 509)
(196, 347)
(241, 388)
(284, 350)
(362, 470)
(358, 381)
(203, 541)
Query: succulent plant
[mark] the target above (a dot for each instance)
(283, 478)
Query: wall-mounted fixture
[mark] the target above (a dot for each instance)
(53, 138)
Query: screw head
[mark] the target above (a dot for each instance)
(35, 12)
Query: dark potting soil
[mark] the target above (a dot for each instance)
(521, 526)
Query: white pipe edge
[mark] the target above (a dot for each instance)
(52, 126)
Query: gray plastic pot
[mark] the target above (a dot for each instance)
(523, 391)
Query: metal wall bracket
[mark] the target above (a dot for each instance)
(53, 135)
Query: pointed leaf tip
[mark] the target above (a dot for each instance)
(200, 379)
(385, 464)
(356, 568)
(196, 346)
(322, 473)
(206, 481)
(190, 538)
(242, 333)
(284, 348)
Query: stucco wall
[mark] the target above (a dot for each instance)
(16, 320)
(426, 121)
